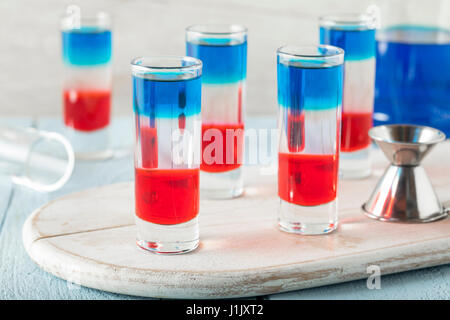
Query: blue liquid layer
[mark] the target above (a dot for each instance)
(357, 44)
(166, 99)
(86, 46)
(413, 79)
(309, 88)
(221, 63)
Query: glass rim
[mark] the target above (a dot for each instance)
(356, 20)
(73, 18)
(137, 62)
(289, 50)
(238, 28)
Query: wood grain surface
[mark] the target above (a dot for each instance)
(88, 238)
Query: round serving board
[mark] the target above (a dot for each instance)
(88, 238)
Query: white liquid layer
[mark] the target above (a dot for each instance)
(88, 78)
(220, 102)
(176, 148)
(359, 85)
(318, 132)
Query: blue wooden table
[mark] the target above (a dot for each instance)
(20, 278)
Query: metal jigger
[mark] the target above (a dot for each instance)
(404, 193)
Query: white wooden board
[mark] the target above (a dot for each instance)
(89, 238)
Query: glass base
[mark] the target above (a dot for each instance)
(167, 239)
(308, 220)
(355, 165)
(221, 185)
(92, 145)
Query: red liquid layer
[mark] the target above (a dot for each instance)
(220, 156)
(165, 196)
(307, 179)
(355, 131)
(87, 110)
(149, 147)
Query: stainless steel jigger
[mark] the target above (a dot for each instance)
(404, 193)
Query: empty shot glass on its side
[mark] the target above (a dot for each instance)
(37, 159)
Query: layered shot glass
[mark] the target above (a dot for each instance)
(223, 51)
(167, 104)
(355, 34)
(86, 49)
(309, 99)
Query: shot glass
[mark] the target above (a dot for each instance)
(86, 50)
(223, 51)
(309, 98)
(355, 34)
(167, 104)
(36, 159)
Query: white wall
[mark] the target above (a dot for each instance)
(30, 54)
